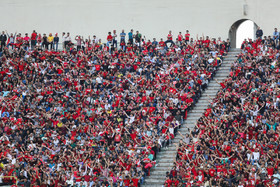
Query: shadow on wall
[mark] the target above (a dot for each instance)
(233, 31)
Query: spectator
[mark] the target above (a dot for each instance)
(11, 39)
(39, 41)
(33, 39)
(130, 37)
(122, 36)
(79, 40)
(138, 37)
(187, 36)
(98, 115)
(109, 39)
(180, 37)
(56, 41)
(45, 43)
(275, 34)
(115, 41)
(3, 39)
(67, 41)
(259, 33)
(169, 38)
(50, 41)
(235, 141)
(26, 41)
(63, 40)
(154, 43)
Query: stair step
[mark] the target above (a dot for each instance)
(194, 114)
(161, 164)
(198, 110)
(167, 151)
(155, 179)
(222, 75)
(152, 185)
(166, 156)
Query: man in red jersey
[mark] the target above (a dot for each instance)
(33, 39)
(169, 39)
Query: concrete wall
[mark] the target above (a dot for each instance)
(153, 18)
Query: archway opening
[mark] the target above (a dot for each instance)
(240, 30)
(244, 31)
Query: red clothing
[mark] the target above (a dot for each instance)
(187, 37)
(33, 36)
(109, 37)
(169, 36)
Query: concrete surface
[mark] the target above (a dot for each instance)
(153, 18)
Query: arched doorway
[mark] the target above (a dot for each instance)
(233, 31)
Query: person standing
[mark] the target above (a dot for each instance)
(33, 39)
(63, 40)
(39, 41)
(130, 37)
(50, 41)
(138, 37)
(11, 39)
(115, 42)
(45, 42)
(95, 40)
(122, 35)
(55, 41)
(187, 36)
(26, 40)
(67, 40)
(170, 39)
(3, 39)
(154, 43)
(109, 39)
(180, 37)
(275, 34)
(259, 33)
(79, 42)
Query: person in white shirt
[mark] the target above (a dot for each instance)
(70, 181)
(115, 42)
(63, 40)
(99, 80)
(67, 40)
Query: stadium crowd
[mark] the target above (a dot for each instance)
(236, 141)
(95, 114)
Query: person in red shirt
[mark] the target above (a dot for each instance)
(180, 37)
(161, 43)
(169, 39)
(168, 181)
(126, 181)
(135, 180)
(187, 36)
(33, 39)
(109, 39)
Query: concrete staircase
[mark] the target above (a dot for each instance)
(167, 156)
